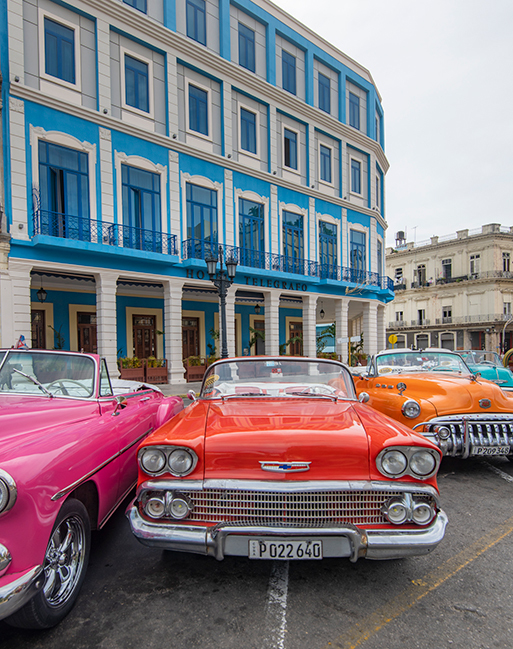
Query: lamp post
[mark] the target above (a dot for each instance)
(222, 280)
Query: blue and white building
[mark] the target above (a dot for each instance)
(139, 134)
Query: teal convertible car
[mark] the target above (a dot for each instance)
(489, 365)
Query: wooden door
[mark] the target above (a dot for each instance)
(144, 336)
(38, 329)
(190, 337)
(296, 332)
(259, 325)
(86, 332)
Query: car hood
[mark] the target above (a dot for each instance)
(329, 436)
(28, 420)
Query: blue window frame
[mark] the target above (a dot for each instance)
(379, 251)
(325, 163)
(246, 47)
(293, 247)
(201, 213)
(324, 93)
(357, 255)
(140, 5)
(59, 51)
(248, 139)
(64, 192)
(251, 233)
(288, 72)
(137, 84)
(196, 20)
(356, 176)
(354, 110)
(290, 149)
(198, 110)
(141, 209)
(328, 254)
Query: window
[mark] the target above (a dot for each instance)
(379, 252)
(290, 148)
(201, 213)
(325, 163)
(399, 316)
(324, 93)
(446, 314)
(137, 84)
(248, 138)
(421, 274)
(59, 51)
(357, 255)
(196, 23)
(447, 268)
(293, 250)
(141, 206)
(140, 5)
(251, 233)
(64, 192)
(421, 316)
(475, 263)
(354, 110)
(378, 128)
(328, 256)
(198, 110)
(507, 308)
(398, 276)
(246, 47)
(506, 262)
(288, 72)
(356, 176)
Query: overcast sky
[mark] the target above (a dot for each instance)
(444, 69)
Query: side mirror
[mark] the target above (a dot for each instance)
(191, 395)
(364, 397)
(120, 404)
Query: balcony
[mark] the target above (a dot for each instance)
(199, 249)
(421, 322)
(77, 228)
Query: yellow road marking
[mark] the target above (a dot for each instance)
(419, 588)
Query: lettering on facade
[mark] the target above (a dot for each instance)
(255, 281)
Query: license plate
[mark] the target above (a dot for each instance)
(284, 549)
(490, 450)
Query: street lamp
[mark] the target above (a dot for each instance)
(222, 280)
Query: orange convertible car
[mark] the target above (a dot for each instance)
(435, 393)
(274, 462)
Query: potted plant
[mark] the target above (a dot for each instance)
(131, 368)
(156, 370)
(195, 367)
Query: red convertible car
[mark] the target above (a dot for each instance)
(277, 459)
(68, 444)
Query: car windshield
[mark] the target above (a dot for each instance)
(47, 373)
(478, 357)
(277, 377)
(421, 361)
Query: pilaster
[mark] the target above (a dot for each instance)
(309, 330)
(173, 329)
(341, 344)
(272, 323)
(106, 291)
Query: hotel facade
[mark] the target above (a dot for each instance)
(139, 136)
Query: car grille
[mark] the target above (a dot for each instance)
(488, 430)
(275, 508)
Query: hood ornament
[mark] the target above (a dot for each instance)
(485, 403)
(285, 467)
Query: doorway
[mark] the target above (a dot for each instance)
(86, 332)
(296, 335)
(190, 337)
(144, 335)
(38, 329)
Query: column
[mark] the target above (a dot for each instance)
(16, 311)
(18, 183)
(230, 321)
(106, 290)
(309, 322)
(272, 323)
(230, 239)
(173, 329)
(342, 345)
(370, 325)
(382, 329)
(107, 178)
(104, 81)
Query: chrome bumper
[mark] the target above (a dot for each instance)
(344, 540)
(17, 589)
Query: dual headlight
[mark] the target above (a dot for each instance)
(169, 504)
(409, 509)
(420, 463)
(177, 460)
(8, 492)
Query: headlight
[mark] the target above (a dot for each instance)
(180, 461)
(8, 492)
(179, 507)
(394, 462)
(396, 512)
(443, 432)
(422, 463)
(422, 513)
(410, 409)
(152, 460)
(155, 507)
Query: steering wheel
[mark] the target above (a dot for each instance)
(59, 383)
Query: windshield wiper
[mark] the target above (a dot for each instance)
(34, 381)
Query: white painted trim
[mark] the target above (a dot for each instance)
(64, 139)
(48, 309)
(256, 113)
(142, 310)
(149, 62)
(42, 14)
(208, 90)
(73, 322)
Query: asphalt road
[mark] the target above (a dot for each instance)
(459, 597)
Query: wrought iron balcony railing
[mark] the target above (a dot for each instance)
(77, 228)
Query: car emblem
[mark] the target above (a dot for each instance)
(485, 403)
(285, 467)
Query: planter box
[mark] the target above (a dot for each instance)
(132, 373)
(194, 373)
(157, 375)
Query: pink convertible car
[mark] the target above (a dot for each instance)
(68, 441)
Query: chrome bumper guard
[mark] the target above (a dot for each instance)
(17, 589)
(344, 540)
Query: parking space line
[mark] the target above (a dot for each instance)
(419, 588)
(276, 616)
(502, 474)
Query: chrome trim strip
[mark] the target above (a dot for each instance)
(80, 481)
(18, 591)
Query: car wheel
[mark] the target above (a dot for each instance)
(65, 563)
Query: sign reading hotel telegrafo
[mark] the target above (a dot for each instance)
(256, 281)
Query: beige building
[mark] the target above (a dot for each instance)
(453, 291)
